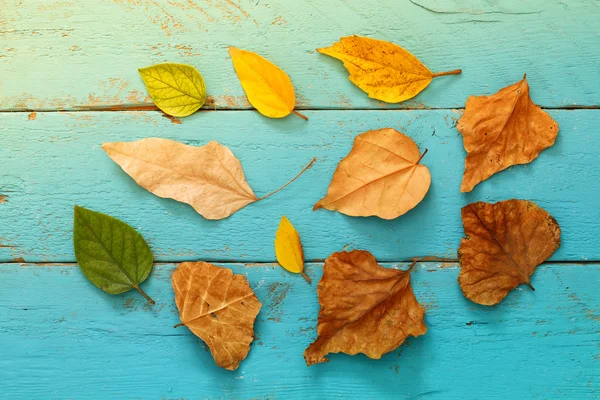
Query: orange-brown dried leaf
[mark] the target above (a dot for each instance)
(219, 307)
(380, 176)
(365, 308)
(502, 130)
(503, 244)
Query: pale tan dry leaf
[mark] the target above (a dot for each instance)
(503, 244)
(219, 307)
(380, 176)
(365, 308)
(209, 178)
(502, 130)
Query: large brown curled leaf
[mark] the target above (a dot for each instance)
(503, 244)
(380, 176)
(209, 178)
(502, 130)
(365, 308)
(219, 307)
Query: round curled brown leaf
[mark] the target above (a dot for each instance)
(503, 244)
(365, 308)
(381, 176)
(501, 130)
(218, 307)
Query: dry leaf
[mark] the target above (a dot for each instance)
(268, 88)
(209, 178)
(503, 244)
(381, 176)
(385, 71)
(365, 308)
(288, 248)
(501, 130)
(219, 307)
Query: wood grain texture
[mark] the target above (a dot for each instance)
(55, 161)
(60, 337)
(60, 54)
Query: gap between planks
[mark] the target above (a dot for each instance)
(121, 108)
(270, 263)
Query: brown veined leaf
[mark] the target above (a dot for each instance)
(365, 308)
(380, 176)
(503, 244)
(268, 88)
(502, 130)
(209, 178)
(219, 307)
(385, 71)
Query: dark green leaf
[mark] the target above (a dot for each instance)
(111, 254)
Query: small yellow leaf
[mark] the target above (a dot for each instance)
(268, 88)
(177, 89)
(383, 70)
(288, 248)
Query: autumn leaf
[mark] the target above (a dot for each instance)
(503, 244)
(383, 70)
(365, 308)
(268, 88)
(381, 176)
(177, 89)
(501, 130)
(219, 307)
(110, 253)
(288, 248)
(209, 178)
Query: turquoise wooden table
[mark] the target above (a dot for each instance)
(69, 82)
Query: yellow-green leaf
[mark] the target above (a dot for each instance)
(288, 248)
(385, 71)
(268, 88)
(177, 89)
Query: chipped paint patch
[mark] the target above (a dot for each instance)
(32, 116)
(276, 294)
(3, 198)
(227, 101)
(174, 120)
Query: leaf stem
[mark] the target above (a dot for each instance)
(293, 179)
(178, 325)
(453, 72)
(304, 117)
(144, 294)
(422, 155)
(305, 276)
(412, 265)
(530, 287)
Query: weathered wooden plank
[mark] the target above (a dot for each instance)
(60, 337)
(70, 54)
(55, 161)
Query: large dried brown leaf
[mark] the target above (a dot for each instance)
(501, 130)
(365, 308)
(503, 244)
(209, 178)
(218, 307)
(380, 176)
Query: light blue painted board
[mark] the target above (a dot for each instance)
(67, 54)
(51, 163)
(60, 337)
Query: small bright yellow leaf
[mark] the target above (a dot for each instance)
(268, 88)
(288, 248)
(177, 89)
(385, 71)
